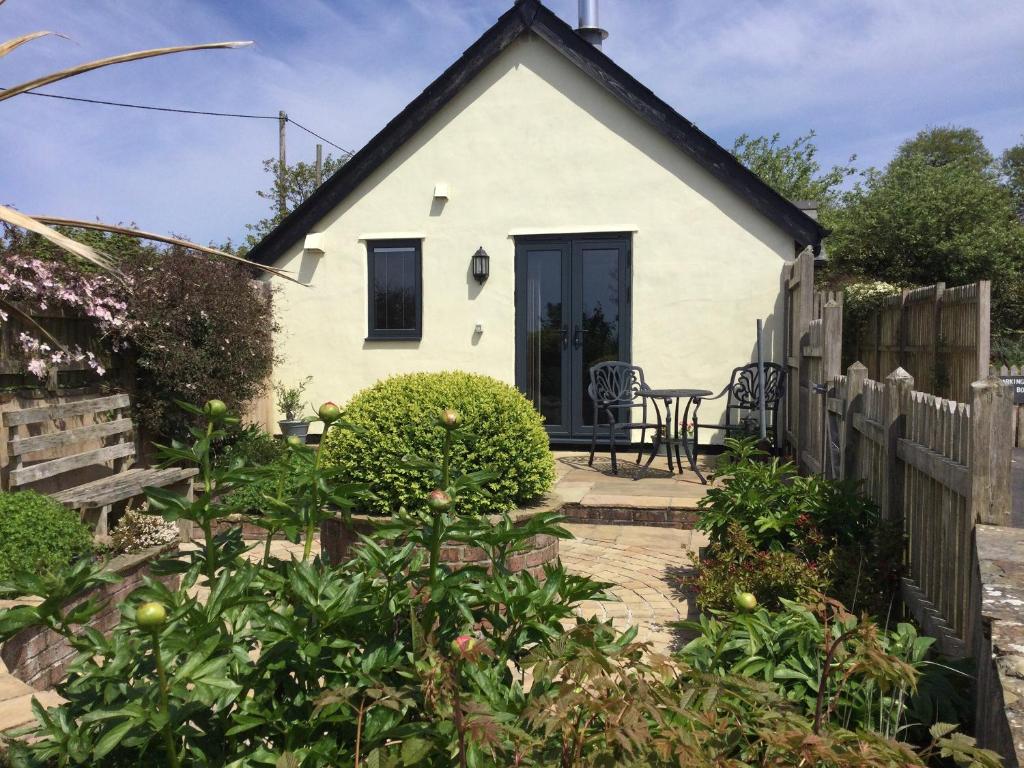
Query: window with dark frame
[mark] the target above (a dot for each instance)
(395, 289)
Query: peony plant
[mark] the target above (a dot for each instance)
(390, 659)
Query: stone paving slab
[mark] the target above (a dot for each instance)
(597, 486)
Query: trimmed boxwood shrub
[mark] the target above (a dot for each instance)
(38, 534)
(399, 416)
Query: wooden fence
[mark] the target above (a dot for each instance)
(938, 462)
(939, 335)
(66, 378)
(938, 465)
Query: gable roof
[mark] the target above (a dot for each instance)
(532, 16)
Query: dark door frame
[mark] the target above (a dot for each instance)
(571, 245)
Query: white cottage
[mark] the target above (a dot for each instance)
(613, 228)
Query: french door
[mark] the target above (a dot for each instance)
(572, 311)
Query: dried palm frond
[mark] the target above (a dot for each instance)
(29, 320)
(70, 245)
(74, 247)
(111, 60)
(14, 42)
(119, 230)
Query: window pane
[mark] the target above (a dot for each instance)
(394, 288)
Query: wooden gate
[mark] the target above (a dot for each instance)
(813, 353)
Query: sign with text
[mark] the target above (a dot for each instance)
(1017, 384)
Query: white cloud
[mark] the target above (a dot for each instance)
(865, 74)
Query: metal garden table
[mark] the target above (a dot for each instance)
(669, 428)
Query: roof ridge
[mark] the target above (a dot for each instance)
(523, 16)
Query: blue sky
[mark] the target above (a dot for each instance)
(865, 74)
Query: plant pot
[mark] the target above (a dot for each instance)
(296, 428)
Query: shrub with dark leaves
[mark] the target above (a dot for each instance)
(203, 329)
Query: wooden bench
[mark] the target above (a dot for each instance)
(111, 430)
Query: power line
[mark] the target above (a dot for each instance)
(186, 112)
(317, 135)
(149, 107)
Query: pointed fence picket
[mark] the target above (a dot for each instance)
(940, 467)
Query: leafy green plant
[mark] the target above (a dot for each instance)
(289, 399)
(777, 508)
(396, 417)
(736, 566)
(39, 534)
(251, 444)
(348, 659)
(830, 664)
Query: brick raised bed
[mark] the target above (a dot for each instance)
(337, 539)
(41, 657)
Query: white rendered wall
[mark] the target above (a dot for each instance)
(532, 145)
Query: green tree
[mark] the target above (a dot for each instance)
(946, 145)
(299, 182)
(938, 212)
(1011, 167)
(792, 169)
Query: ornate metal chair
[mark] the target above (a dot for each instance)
(742, 410)
(616, 387)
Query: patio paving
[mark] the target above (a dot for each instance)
(644, 566)
(656, 488)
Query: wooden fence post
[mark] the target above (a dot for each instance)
(803, 314)
(939, 373)
(831, 340)
(984, 342)
(856, 374)
(831, 362)
(898, 386)
(991, 454)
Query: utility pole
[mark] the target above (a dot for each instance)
(282, 166)
(319, 165)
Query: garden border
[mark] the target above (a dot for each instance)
(40, 657)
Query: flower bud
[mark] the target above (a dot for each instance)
(462, 644)
(151, 616)
(329, 412)
(745, 601)
(215, 410)
(295, 441)
(450, 418)
(438, 500)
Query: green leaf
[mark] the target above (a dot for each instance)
(414, 750)
(111, 739)
(940, 730)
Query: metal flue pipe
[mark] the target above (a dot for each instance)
(590, 26)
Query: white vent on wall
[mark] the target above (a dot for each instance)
(314, 243)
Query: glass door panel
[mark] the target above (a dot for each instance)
(598, 278)
(544, 363)
(571, 313)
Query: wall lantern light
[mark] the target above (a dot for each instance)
(481, 265)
